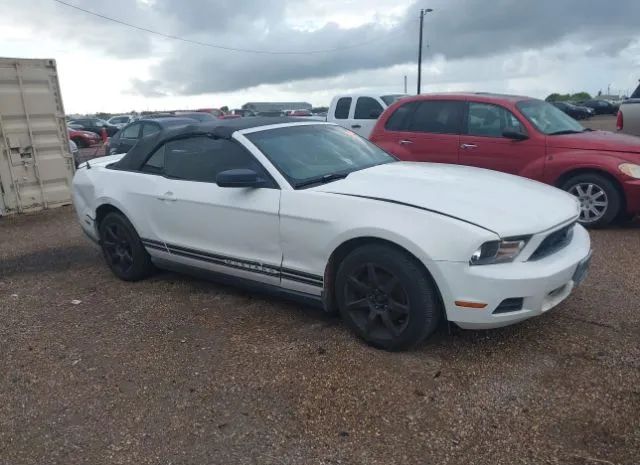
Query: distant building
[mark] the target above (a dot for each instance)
(276, 106)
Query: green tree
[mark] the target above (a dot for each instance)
(581, 96)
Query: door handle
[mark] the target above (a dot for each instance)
(356, 126)
(167, 197)
(405, 142)
(468, 146)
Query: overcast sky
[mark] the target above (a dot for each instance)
(530, 47)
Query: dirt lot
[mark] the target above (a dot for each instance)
(175, 370)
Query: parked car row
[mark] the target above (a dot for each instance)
(575, 111)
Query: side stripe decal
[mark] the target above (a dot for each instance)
(235, 263)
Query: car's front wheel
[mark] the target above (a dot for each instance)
(600, 201)
(122, 248)
(386, 297)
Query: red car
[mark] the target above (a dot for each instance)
(522, 136)
(84, 138)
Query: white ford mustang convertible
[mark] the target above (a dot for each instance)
(313, 211)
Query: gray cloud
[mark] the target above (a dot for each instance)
(458, 29)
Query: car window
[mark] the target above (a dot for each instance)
(491, 120)
(309, 152)
(437, 116)
(342, 108)
(636, 93)
(547, 118)
(399, 120)
(149, 129)
(131, 132)
(155, 163)
(202, 158)
(367, 108)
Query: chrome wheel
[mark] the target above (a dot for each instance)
(593, 201)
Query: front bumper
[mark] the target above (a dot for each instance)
(632, 195)
(541, 284)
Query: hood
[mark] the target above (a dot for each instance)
(596, 140)
(505, 204)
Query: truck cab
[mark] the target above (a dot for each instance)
(359, 112)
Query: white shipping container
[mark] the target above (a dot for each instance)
(36, 166)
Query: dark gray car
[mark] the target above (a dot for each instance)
(128, 136)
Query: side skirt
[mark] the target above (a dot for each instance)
(247, 284)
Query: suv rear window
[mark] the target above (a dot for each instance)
(342, 108)
(432, 116)
(399, 120)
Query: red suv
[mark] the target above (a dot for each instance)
(521, 136)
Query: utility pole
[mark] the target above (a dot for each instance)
(423, 12)
(405, 83)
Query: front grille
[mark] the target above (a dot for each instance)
(509, 305)
(553, 242)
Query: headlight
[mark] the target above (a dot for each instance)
(630, 170)
(503, 251)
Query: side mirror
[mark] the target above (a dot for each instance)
(515, 135)
(239, 178)
(375, 114)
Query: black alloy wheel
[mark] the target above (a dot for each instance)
(122, 249)
(377, 302)
(387, 297)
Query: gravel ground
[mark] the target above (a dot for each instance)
(174, 370)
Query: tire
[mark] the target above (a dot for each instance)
(122, 249)
(399, 294)
(603, 191)
(80, 143)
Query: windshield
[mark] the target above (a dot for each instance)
(547, 118)
(308, 153)
(389, 99)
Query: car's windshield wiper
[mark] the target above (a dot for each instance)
(322, 179)
(565, 131)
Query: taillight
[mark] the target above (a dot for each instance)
(619, 121)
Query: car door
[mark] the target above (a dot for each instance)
(129, 137)
(484, 145)
(425, 130)
(229, 230)
(363, 116)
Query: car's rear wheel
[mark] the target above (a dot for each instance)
(386, 297)
(122, 248)
(600, 201)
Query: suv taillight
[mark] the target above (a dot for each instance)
(619, 121)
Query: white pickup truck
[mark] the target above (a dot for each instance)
(629, 115)
(359, 112)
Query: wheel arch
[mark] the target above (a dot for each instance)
(564, 177)
(348, 246)
(103, 210)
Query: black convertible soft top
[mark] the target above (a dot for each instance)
(223, 129)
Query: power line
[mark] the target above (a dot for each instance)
(222, 47)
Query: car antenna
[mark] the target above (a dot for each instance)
(88, 165)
